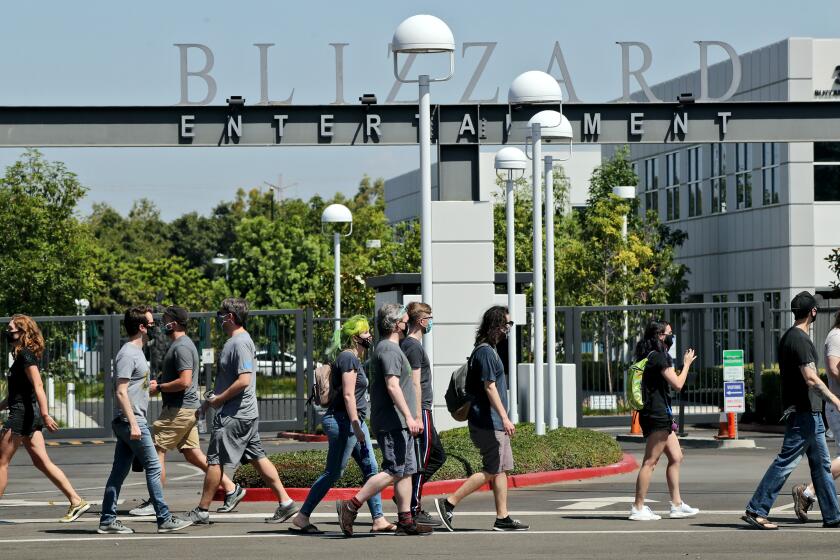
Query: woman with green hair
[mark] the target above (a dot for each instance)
(344, 424)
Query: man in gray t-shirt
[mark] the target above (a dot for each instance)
(133, 438)
(236, 436)
(389, 361)
(131, 364)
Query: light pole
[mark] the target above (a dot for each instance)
(337, 214)
(424, 34)
(624, 193)
(553, 126)
(530, 88)
(512, 160)
(220, 259)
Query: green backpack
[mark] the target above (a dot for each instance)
(635, 395)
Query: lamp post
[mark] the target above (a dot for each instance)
(337, 214)
(535, 87)
(624, 193)
(220, 259)
(424, 34)
(512, 160)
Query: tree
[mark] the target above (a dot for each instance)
(47, 255)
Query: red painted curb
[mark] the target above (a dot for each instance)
(627, 464)
(308, 438)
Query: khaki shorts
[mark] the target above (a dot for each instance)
(494, 446)
(175, 428)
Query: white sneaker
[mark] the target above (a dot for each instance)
(682, 511)
(644, 514)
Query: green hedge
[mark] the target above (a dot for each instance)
(564, 448)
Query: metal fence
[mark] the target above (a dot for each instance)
(601, 342)
(80, 350)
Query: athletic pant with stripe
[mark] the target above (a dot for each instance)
(431, 457)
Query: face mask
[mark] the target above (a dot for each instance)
(365, 343)
(669, 340)
(169, 328)
(220, 320)
(429, 326)
(10, 336)
(151, 331)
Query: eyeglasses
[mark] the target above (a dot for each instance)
(429, 317)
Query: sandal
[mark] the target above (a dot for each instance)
(391, 528)
(758, 522)
(308, 530)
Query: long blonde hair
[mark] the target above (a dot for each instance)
(30, 336)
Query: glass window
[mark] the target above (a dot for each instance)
(651, 185)
(775, 301)
(718, 181)
(826, 182)
(695, 191)
(720, 327)
(827, 151)
(743, 176)
(672, 186)
(770, 173)
(745, 327)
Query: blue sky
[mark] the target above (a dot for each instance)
(115, 53)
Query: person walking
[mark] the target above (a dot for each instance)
(802, 393)
(176, 428)
(344, 425)
(236, 436)
(657, 420)
(393, 417)
(131, 398)
(431, 454)
(28, 412)
(804, 495)
(490, 427)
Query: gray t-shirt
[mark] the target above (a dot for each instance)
(832, 348)
(131, 364)
(181, 355)
(238, 356)
(418, 359)
(389, 360)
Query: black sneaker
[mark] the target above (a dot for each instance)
(446, 512)
(422, 517)
(508, 524)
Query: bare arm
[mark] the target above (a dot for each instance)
(235, 388)
(182, 382)
(34, 376)
(816, 385)
(415, 378)
(496, 403)
(392, 382)
(125, 406)
(832, 368)
(677, 381)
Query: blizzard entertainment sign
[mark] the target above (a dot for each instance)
(197, 62)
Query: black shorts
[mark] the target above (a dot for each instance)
(652, 424)
(24, 421)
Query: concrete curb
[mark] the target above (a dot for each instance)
(696, 442)
(297, 436)
(627, 464)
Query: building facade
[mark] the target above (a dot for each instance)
(759, 217)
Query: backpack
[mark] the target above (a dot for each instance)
(323, 393)
(635, 393)
(458, 400)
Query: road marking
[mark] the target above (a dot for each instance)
(233, 517)
(182, 536)
(595, 503)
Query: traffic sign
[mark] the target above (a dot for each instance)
(733, 396)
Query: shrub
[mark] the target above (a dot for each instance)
(564, 448)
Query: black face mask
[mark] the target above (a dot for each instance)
(169, 328)
(151, 331)
(669, 340)
(9, 336)
(365, 343)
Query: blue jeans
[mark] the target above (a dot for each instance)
(805, 434)
(124, 452)
(343, 444)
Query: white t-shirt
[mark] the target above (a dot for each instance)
(832, 348)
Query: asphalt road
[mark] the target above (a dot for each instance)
(572, 520)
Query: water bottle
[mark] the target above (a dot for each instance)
(202, 414)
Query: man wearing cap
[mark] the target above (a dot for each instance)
(802, 394)
(175, 428)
